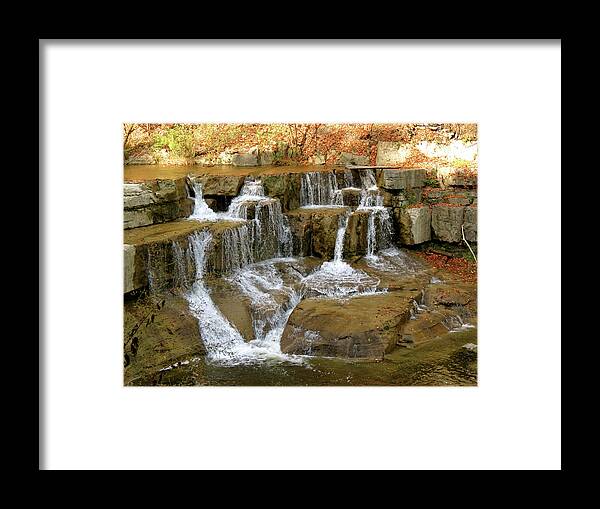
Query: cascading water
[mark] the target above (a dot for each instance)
(202, 212)
(336, 278)
(320, 189)
(270, 234)
(379, 229)
(224, 343)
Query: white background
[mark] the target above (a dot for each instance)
(512, 420)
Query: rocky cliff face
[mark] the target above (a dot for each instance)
(153, 212)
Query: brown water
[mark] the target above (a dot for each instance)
(135, 172)
(439, 362)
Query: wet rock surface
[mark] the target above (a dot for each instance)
(158, 332)
(364, 326)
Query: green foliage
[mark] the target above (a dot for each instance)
(178, 140)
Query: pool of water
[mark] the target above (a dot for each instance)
(439, 362)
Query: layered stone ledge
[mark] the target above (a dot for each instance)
(150, 248)
(155, 202)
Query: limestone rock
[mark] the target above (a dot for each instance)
(128, 268)
(155, 201)
(219, 185)
(414, 225)
(157, 336)
(449, 295)
(301, 228)
(266, 158)
(314, 230)
(137, 195)
(154, 257)
(446, 222)
(351, 197)
(137, 218)
(364, 326)
(405, 178)
(355, 241)
(470, 223)
(141, 159)
(450, 176)
(325, 225)
(249, 158)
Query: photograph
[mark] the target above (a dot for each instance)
(300, 254)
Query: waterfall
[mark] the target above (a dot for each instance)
(202, 211)
(269, 232)
(379, 230)
(348, 178)
(272, 300)
(339, 239)
(319, 189)
(337, 278)
(224, 344)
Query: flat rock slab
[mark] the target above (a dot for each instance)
(365, 326)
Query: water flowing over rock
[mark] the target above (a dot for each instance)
(202, 211)
(320, 189)
(224, 343)
(379, 230)
(336, 278)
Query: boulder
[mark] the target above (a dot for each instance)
(402, 178)
(364, 326)
(234, 306)
(446, 222)
(249, 158)
(413, 224)
(158, 332)
(470, 223)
